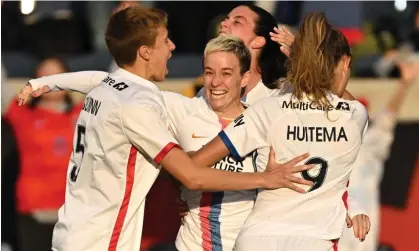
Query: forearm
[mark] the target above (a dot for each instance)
(82, 82)
(209, 179)
(354, 206)
(194, 177)
(397, 99)
(210, 153)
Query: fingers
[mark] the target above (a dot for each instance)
(271, 159)
(361, 226)
(271, 153)
(295, 188)
(364, 227)
(286, 50)
(348, 221)
(303, 168)
(297, 159)
(40, 91)
(355, 226)
(282, 36)
(367, 225)
(287, 31)
(24, 95)
(282, 39)
(301, 181)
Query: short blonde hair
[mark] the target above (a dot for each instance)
(233, 45)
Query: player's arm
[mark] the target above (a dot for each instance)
(144, 128)
(83, 82)
(241, 138)
(380, 136)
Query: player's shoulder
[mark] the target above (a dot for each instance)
(141, 97)
(360, 111)
(176, 101)
(352, 107)
(177, 97)
(265, 109)
(273, 102)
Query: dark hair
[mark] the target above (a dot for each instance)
(271, 60)
(34, 102)
(316, 52)
(131, 28)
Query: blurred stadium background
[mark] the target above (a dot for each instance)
(378, 32)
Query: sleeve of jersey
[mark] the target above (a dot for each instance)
(354, 206)
(245, 134)
(143, 126)
(177, 107)
(83, 81)
(380, 135)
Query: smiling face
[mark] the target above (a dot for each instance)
(223, 80)
(240, 22)
(160, 54)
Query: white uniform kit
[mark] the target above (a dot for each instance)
(121, 136)
(214, 219)
(293, 128)
(85, 81)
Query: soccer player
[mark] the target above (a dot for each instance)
(215, 218)
(121, 138)
(312, 118)
(253, 25)
(260, 32)
(369, 166)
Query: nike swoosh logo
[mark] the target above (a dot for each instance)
(198, 137)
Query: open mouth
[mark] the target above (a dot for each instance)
(218, 94)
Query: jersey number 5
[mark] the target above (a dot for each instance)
(321, 175)
(81, 131)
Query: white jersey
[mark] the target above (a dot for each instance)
(121, 137)
(294, 128)
(214, 219)
(260, 91)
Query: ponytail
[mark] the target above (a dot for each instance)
(315, 53)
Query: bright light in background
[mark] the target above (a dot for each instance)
(400, 5)
(27, 6)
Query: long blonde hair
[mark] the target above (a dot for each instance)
(316, 52)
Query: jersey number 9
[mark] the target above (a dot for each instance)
(321, 175)
(81, 131)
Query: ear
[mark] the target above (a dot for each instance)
(144, 52)
(258, 43)
(346, 60)
(245, 79)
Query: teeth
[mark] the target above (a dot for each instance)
(218, 92)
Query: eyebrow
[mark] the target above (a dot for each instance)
(227, 68)
(240, 17)
(223, 69)
(237, 17)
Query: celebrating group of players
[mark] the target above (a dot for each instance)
(268, 97)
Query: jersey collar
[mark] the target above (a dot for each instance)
(135, 79)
